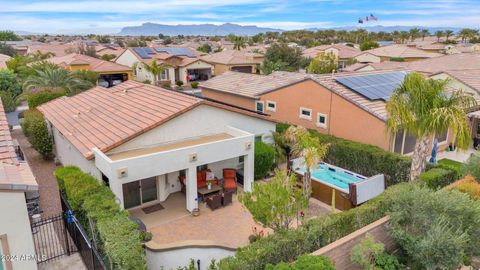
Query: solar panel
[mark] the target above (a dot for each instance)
(374, 86)
(144, 52)
(176, 51)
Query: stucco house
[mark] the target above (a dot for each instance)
(327, 103)
(16, 179)
(110, 73)
(146, 142)
(183, 64)
(234, 60)
(398, 51)
(345, 54)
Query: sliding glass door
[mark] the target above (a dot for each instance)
(139, 192)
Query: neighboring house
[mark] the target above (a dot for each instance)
(234, 60)
(3, 60)
(110, 73)
(56, 48)
(182, 64)
(141, 140)
(112, 49)
(464, 61)
(20, 46)
(16, 179)
(345, 54)
(336, 105)
(398, 51)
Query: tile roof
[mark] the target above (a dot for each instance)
(96, 64)
(3, 60)
(234, 57)
(14, 175)
(106, 118)
(344, 51)
(398, 50)
(57, 49)
(166, 58)
(468, 77)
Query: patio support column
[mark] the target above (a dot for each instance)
(248, 177)
(191, 188)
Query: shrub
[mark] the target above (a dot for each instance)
(8, 101)
(264, 158)
(95, 207)
(467, 185)
(367, 45)
(362, 158)
(36, 99)
(305, 262)
(472, 167)
(365, 253)
(147, 82)
(35, 129)
(437, 177)
(9, 83)
(179, 83)
(451, 165)
(397, 59)
(194, 85)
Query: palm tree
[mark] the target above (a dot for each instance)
(414, 33)
(403, 36)
(55, 79)
(464, 33)
(154, 68)
(448, 33)
(238, 43)
(439, 35)
(423, 108)
(425, 33)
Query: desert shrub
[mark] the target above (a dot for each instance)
(8, 101)
(179, 83)
(305, 262)
(364, 253)
(36, 99)
(467, 185)
(194, 85)
(362, 158)
(264, 158)
(437, 177)
(472, 167)
(35, 129)
(96, 208)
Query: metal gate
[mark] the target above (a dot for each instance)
(51, 238)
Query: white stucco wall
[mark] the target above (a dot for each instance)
(172, 259)
(196, 65)
(69, 155)
(200, 121)
(15, 224)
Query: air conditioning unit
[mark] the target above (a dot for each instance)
(193, 157)
(122, 172)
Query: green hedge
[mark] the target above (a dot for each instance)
(264, 158)
(436, 178)
(35, 129)
(36, 99)
(118, 238)
(305, 262)
(362, 158)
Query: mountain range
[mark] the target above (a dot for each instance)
(153, 29)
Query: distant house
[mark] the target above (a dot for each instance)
(344, 53)
(56, 48)
(234, 60)
(146, 142)
(21, 46)
(397, 52)
(16, 179)
(3, 60)
(183, 64)
(338, 105)
(110, 73)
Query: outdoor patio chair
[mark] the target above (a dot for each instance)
(214, 201)
(229, 180)
(227, 198)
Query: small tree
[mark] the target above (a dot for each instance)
(323, 63)
(108, 57)
(264, 159)
(472, 167)
(7, 50)
(281, 57)
(276, 203)
(367, 45)
(155, 68)
(364, 253)
(9, 83)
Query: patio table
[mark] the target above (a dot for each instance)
(205, 191)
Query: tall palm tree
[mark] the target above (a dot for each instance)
(403, 36)
(55, 79)
(439, 35)
(425, 33)
(448, 33)
(238, 43)
(155, 68)
(414, 33)
(423, 108)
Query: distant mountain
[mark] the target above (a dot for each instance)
(388, 29)
(153, 29)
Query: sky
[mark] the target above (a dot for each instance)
(107, 16)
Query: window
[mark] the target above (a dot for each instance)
(321, 120)
(271, 106)
(305, 113)
(259, 106)
(404, 142)
(258, 138)
(202, 167)
(164, 75)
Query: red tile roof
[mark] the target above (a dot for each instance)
(96, 64)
